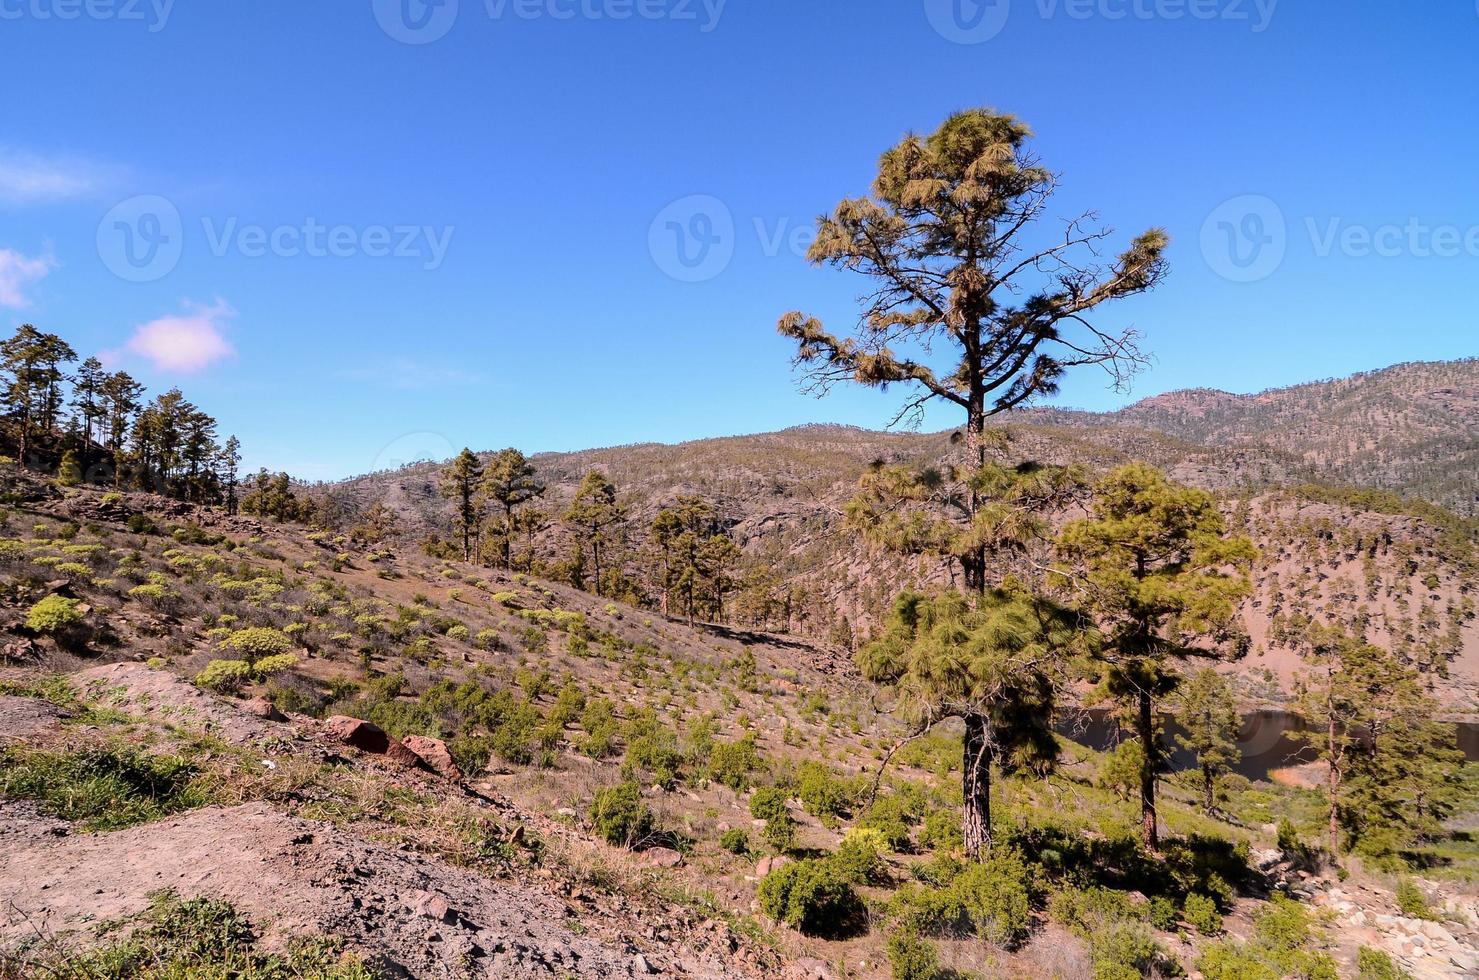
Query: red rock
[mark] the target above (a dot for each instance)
(430, 905)
(662, 857)
(358, 733)
(402, 756)
(433, 752)
(262, 708)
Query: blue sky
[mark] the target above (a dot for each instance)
(387, 249)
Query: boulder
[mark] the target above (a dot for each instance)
(433, 752)
(768, 864)
(430, 905)
(358, 733)
(662, 857)
(262, 708)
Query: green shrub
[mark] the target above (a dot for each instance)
(889, 815)
(274, 664)
(1090, 910)
(860, 855)
(735, 840)
(1280, 948)
(652, 748)
(459, 633)
(54, 615)
(620, 816)
(990, 900)
(732, 764)
(1412, 902)
(258, 641)
(225, 676)
(912, 957)
(1373, 964)
(1127, 951)
(1202, 913)
(770, 804)
(941, 830)
(155, 595)
(1163, 915)
(823, 794)
(1233, 961)
(103, 788)
(811, 896)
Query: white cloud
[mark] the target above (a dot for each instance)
(186, 342)
(26, 179)
(17, 272)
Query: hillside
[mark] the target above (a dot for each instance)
(472, 847)
(1404, 569)
(1412, 429)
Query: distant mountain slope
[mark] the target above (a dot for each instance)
(1411, 428)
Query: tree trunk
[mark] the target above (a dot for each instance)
(1145, 725)
(1331, 734)
(973, 565)
(976, 788)
(1207, 785)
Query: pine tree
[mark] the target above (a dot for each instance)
(228, 461)
(944, 241)
(460, 482)
(1208, 711)
(1156, 565)
(121, 394)
(595, 515)
(31, 363)
(1389, 770)
(511, 482)
(694, 557)
(993, 660)
(87, 397)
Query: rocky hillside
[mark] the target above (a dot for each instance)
(430, 769)
(1412, 428)
(1404, 569)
